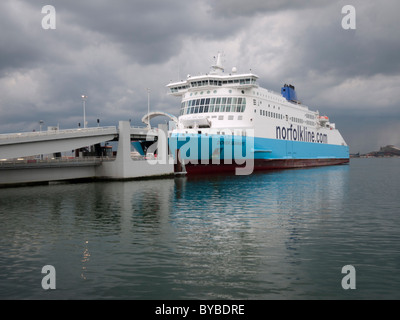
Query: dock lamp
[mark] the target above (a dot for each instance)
(84, 97)
(41, 124)
(148, 108)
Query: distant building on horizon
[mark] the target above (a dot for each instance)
(387, 151)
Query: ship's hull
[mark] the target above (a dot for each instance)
(217, 153)
(261, 165)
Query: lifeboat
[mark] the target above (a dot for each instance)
(323, 119)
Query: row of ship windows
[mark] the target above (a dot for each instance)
(281, 116)
(230, 117)
(218, 83)
(294, 119)
(213, 105)
(297, 120)
(208, 92)
(212, 108)
(214, 101)
(176, 89)
(222, 82)
(270, 114)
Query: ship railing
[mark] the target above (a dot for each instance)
(71, 159)
(139, 127)
(7, 163)
(4, 136)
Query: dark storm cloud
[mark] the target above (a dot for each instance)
(366, 51)
(250, 8)
(148, 31)
(20, 45)
(91, 50)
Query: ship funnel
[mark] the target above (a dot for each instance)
(289, 93)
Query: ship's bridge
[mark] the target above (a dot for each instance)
(237, 81)
(216, 78)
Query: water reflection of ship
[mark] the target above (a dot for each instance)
(307, 206)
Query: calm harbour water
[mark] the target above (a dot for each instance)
(276, 235)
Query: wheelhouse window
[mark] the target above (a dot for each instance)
(221, 104)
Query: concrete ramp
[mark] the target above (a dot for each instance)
(122, 167)
(46, 142)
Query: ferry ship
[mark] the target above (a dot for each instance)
(227, 119)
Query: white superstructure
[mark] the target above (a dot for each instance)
(220, 100)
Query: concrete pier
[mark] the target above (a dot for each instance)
(123, 167)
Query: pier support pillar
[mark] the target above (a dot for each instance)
(125, 168)
(123, 160)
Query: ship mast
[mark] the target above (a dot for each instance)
(217, 67)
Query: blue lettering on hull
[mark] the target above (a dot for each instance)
(300, 133)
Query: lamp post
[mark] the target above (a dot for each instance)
(148, 108)
(84, 109)
(40, 124)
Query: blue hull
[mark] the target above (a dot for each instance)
(221, 153)
(200, 147)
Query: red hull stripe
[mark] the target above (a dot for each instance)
(260, 165)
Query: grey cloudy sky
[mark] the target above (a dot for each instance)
(113, 50)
